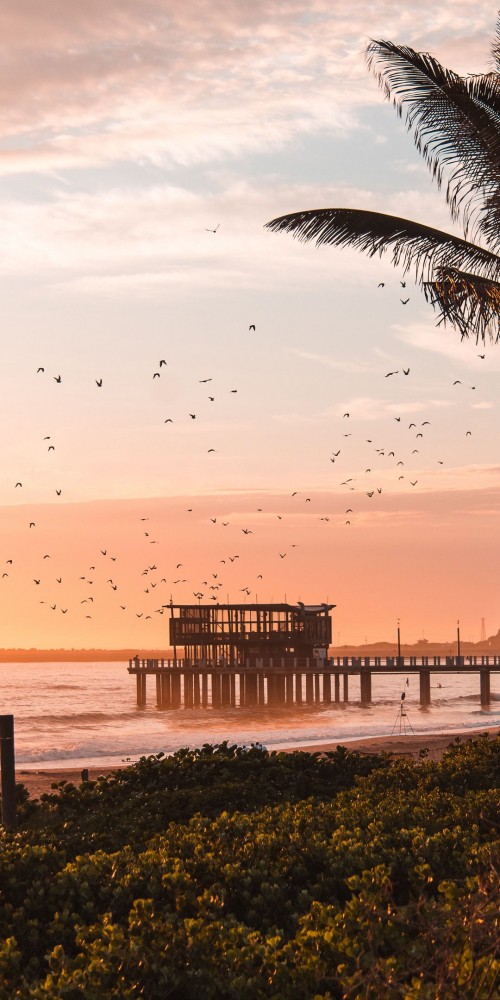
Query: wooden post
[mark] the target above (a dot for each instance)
(243, 699)
(232, 682)
(204, 690)
(309, 688)
(316, 688)
(365, 680)
(327, 689)
(141, 690)
(158, 692)
(298, 689)
(261, 688)
(346, 687)
(337, 689)
(196, 690)
(176, 689)
(425, 687)
(166, 699)
(289, 688)
(8, 766)
(484, 681)
(225, 691)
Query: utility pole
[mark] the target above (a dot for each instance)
(458, 638)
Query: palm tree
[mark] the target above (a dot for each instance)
(455, 123)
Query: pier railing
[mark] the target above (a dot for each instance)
(289, 680)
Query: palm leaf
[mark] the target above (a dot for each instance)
(412, 244)
(455, 126)
(468, 301)
(495, 48)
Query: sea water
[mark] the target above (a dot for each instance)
(85, 714)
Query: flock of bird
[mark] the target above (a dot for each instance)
(160, 582)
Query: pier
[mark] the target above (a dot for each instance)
(248, 655)
(293, 681)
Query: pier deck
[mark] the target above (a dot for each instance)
(288, 681)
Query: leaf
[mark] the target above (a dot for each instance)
(413, 244)
(467, 301)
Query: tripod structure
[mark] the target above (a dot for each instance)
(402, 724)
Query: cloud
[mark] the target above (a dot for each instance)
(444, 341)
(328, 362)
(168, 82)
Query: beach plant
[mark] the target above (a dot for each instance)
(455, 122)
(381, 885)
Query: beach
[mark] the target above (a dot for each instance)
(408, 746)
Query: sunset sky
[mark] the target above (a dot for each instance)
(129, 130)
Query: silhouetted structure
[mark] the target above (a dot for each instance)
(239, 634)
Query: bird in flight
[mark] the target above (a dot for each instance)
(406, 371)
(346, 414)
(391, 373)
(212, 231)
(98, 382)
(156, 375)
(247, 531)
(32, 524)
(18, 484)
(193, 416)
(413, 484)
(252, 326)
(398, 419)
(162, 362)
(381, 284)
(59, 492)
(203, 380)
(168, 420)
(57, 378)
(210, 449)
(403, 284)
(457, 382)
(468, 432)
(404, 302)
(43, 369)
(282, 555)
(482, 356)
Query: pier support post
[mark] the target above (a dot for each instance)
(176, 690)
(8, 767)
(316, 689)
(216, 692)
(327, 689)
(158, 691)
(225, 691)
(243, 693)
(346, 688)
(484, 681)
(337, 689)
(188, 689)
(196, 690)
(261, 688)
(289, 689)
(365, 680)
(166, 697)
(204, 690)
(298, 689)
(232, 690)
(425, 687)
(141, 690)
(309, 688)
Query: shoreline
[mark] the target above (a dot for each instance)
(408, 746)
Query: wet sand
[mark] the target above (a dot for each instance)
(409, 746)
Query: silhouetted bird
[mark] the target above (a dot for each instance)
(40, 370)
(404, 302)
(57, 378)
(212, 231)
(193, 416)
(98, 382)
(162, 362)
(391, 373)
(406, 371)
(252, 326)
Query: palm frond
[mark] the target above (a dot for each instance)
(467, 301)
(495, 48)
(455, 125)
(413, 245)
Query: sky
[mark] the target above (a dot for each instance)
(144, 144)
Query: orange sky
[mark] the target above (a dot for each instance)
(143, 147)
(427, 559)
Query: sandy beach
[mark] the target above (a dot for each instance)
(409, 746)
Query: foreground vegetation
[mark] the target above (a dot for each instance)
(221, 874)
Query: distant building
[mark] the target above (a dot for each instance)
(239, 633)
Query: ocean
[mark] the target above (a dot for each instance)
(85, 715)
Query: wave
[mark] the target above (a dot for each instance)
(77, 718)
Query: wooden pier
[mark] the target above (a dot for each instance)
(292, 681)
